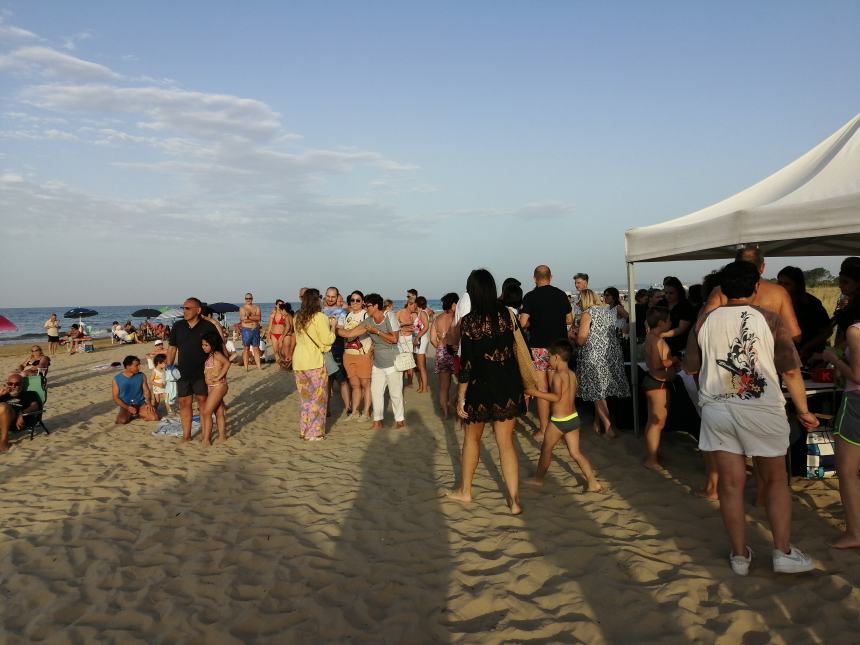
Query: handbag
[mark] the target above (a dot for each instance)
(524, 357)
(404, 361)
(331, 366)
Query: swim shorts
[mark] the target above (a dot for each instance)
(540, 357)
(187, 387)
(651, 383)
(744, 430)
(848, 419)
(566, 424)
(251, 337)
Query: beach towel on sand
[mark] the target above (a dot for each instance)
(172, 427)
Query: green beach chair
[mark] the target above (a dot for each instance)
(39, 384)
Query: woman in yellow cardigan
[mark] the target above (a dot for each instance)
(314, 337)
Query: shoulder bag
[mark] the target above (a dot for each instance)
(524, 357)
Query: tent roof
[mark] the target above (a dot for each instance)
(810, 207)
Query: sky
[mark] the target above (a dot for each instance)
(152, 151)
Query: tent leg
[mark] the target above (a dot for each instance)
(634, 353)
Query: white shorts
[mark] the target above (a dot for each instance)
(422, 344)
(744, 430)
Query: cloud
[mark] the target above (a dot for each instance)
(71, 42)
(543, 210)
(166, 109)
(54, 64)
(10, 32)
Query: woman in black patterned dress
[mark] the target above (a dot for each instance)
(490, 387)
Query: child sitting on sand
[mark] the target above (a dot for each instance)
(215, 374)
(157, 383)
(657, 383)
(564, 421)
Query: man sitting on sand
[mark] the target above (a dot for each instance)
(131, 393)
(740, 351)
(15, 402)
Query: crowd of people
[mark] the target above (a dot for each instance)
(742, 337)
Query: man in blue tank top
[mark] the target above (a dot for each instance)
(131, 391)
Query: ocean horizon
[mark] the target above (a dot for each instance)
(30, 320)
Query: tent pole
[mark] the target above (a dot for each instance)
(634, 349)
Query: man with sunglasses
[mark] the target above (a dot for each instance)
(186, 340)
(250, 316)
(15, 402)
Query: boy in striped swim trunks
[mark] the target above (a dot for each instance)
(564, 421)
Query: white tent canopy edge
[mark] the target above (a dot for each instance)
(811, 207)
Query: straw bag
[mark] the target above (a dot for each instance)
(524, 357)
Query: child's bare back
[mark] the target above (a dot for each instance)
(656, 357)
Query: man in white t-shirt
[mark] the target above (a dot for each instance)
(740, 351)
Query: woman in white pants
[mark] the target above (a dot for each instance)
(383, 329)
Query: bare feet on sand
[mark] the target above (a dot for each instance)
(610, 433)
(376, 425)
(653, 465)
(533, 481)
(846, 541)
(707, 494)
(400, 424)
(515, 507)
(458, 495)
(594, 487)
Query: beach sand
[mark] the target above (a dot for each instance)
(111, 534)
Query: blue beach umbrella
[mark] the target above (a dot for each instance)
(223, 307)
(80, 313)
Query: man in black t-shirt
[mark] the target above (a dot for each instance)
(546, 313)
(185, 338)
(14, 402)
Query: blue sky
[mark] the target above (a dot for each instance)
(154, 150)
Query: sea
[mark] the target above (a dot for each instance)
(30, 320)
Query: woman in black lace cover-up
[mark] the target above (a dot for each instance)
(490, 387)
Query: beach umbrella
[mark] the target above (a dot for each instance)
(146, 313)
(170, 314)
(223, 307)
(7, 325)
(80, 313)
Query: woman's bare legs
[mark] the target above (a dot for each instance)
(421, 363)
(504, 431)
(469, 461)
(444, 392)
(214, 400)
(601, 418)
(289, 347)
(847, 462)
(365, 390)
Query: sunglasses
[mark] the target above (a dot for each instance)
(249, 299)
(14, 384)
(355, 299)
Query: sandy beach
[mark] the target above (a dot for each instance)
(112, 534)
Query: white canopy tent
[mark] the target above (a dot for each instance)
(810, 207)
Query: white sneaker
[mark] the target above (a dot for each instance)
(741, 564)
(795, 561)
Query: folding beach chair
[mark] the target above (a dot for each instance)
(39, 384)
